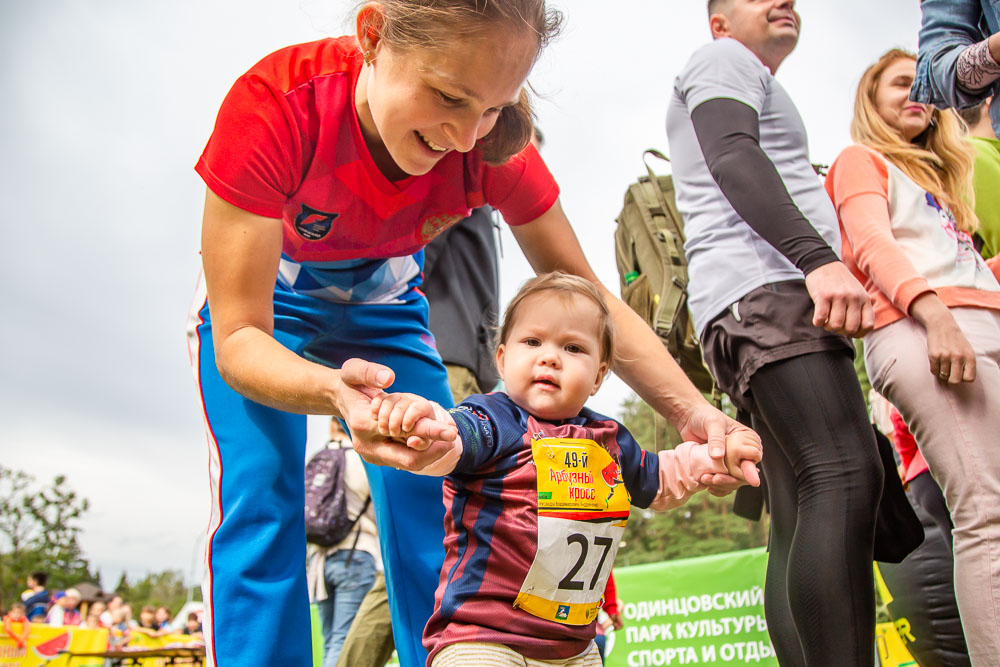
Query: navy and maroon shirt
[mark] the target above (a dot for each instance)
(491, 526)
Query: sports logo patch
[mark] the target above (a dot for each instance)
(562, 612)
(313, 224)
(435, 224)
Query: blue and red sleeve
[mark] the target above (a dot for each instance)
(491, 426)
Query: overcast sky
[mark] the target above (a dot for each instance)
(108, 104)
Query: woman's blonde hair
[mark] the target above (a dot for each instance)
(939, 159)
(564, 283)
(421, 24)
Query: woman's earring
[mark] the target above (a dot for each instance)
(369, 58)
(933, 120)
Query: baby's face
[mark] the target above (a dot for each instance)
(551, 361)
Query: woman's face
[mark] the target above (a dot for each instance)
(893, 103)
(418, 105)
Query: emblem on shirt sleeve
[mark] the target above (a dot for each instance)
(313, 224)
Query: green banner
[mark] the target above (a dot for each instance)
(695, 611)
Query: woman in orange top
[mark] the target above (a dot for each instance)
(902, 193)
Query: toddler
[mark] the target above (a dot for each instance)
(120, 632)
(537, 487)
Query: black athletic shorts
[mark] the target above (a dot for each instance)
(768, 324)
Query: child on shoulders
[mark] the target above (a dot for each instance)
(537, 487)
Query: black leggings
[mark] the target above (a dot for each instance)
(824, 481)
(929, 496)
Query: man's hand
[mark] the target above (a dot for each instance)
(360, 382)
(842, 304)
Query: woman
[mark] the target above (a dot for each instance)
(331, 165)
(901, 194)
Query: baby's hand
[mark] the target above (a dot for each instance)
(396, 415)
(743, 452)
(677, 484)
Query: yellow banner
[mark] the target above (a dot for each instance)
(145, 641)
(46, 644)
(889, 644)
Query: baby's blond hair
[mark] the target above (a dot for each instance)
(565, 283)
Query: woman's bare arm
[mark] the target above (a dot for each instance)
(240, 252)
(642, 361)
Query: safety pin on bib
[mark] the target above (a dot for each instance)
(517, 600)
(540, 437)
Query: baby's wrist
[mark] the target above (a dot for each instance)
(701, 462)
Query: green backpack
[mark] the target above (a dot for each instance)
(652, 267)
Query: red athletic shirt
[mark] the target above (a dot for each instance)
(287, 144)
(287, 136)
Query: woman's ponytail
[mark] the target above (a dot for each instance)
(511, 133)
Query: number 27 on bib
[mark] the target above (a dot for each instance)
(583, 507)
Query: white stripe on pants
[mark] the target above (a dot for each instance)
(957, 428)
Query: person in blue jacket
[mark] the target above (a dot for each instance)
(958, 65)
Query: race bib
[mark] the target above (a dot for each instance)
(583, 507)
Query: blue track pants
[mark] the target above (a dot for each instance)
(257, 611)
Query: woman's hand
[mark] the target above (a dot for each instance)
(952, 358)
(641, 359)
(361, 381)
(705, 423)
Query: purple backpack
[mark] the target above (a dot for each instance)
(327, 520)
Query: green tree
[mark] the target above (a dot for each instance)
(166, 589)
(705, 525)
(39, 530)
